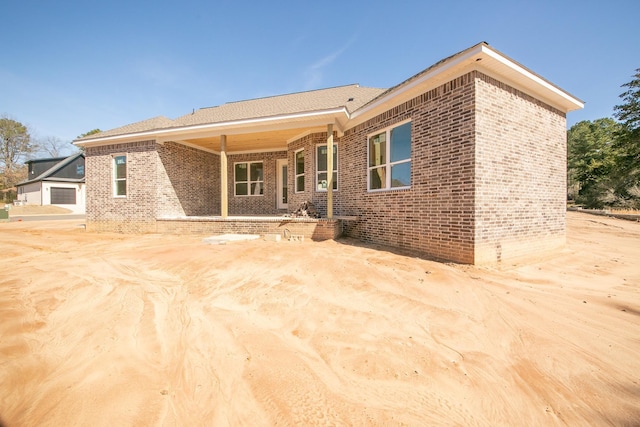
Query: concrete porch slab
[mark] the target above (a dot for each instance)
(228, 238)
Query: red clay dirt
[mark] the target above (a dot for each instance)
(153, 330)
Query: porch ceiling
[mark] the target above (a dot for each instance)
(250, 142)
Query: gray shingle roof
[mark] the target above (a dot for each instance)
(350, 97)
(159, 122)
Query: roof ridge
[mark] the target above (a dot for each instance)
(284, 94)
(423, 72)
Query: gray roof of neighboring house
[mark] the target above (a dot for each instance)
(53, 169)
(350, 97)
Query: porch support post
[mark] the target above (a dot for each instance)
(330, 171)
(224, 189)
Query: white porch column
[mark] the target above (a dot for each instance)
(224, 189)
(330, 171)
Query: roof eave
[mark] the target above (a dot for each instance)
(340, 115)
(480, 57)
(531, 82)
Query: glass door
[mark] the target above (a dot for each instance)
(282, 174)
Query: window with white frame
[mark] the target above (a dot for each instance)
(299, 157)
(390, 158)
(321, 167)
(120, 175)
(249, 179)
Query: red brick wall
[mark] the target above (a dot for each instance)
(137, 211)
(162, 180)
(255, 205)
(188, 181)
(434, 216)
(488, 175)
(487, 185)
(520, 173)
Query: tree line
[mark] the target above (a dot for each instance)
(603, 156)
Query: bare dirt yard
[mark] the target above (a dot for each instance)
(152, 330)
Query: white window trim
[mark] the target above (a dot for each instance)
(114, 180)
(295, 171)
(324, 190)
(389, 163)
(248, 181)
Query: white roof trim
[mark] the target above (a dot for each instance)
(417, 82)
(167, 133)
(520, 69)
(464, 62)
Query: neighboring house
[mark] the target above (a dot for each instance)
(465, 161)
(55, 181)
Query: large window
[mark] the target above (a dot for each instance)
(249, 179)
(120, 175)
(321, 167)
(299, 171)
(390, 158)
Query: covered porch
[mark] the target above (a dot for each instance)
(255, 160)
(222, 169)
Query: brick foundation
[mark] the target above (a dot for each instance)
(314, 229)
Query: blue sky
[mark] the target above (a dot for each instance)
(71, 66)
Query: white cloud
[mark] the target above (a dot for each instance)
(314, 74)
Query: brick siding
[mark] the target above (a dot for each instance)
(520, 174)
(265, 204)
(487, 180)
(162, 180)
(188, 181)
(478, 147)
(137, 211)
(434, 216)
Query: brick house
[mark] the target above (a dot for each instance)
(465, 161)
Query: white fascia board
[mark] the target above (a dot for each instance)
(531, 76)
(442, 69)
(470, 60)
(212, 129)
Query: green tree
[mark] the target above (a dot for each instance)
(628, 143)
(591, 158)
(91, 132)
(15, 145)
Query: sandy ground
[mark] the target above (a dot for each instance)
(37, 210)
(105, 329)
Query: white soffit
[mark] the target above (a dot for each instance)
(237, 127)
(529, 82)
